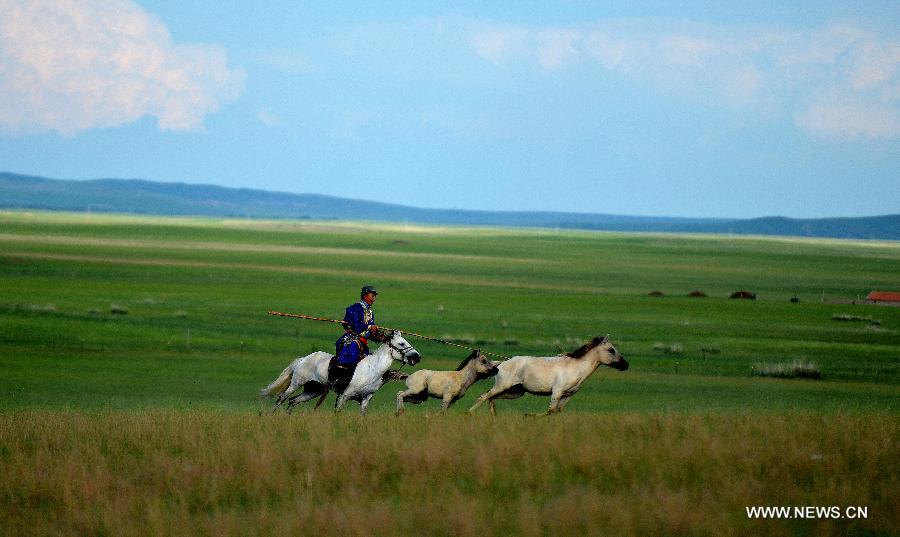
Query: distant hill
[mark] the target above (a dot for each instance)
(149, 197)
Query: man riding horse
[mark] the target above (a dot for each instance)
(353, 346)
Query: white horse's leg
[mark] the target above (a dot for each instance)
(339, 403)
(481, 399)
(486, 396)
(283, 396)
(555, 397)
(295, 383)
(364, 404)
(302, 398)
(493, 406)
(278, 402)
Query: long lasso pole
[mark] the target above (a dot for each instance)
(407, 332)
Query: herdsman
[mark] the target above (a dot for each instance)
(353, 346)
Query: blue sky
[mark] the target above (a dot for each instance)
(708, 109)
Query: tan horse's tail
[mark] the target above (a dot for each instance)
(278, 385)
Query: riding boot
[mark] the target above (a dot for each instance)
(339, 375)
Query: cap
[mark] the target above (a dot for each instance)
(368, 289)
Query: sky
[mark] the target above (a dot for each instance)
(693, 109)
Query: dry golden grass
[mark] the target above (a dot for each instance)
(217, 473)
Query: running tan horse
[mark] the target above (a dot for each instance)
(448, 386)
(557, 376)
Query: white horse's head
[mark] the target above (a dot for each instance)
(401, 350)
(603, 350)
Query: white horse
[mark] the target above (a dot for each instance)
(311, 372)
(449, 386)
(557, 376)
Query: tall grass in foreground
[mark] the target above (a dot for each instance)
(216, 473)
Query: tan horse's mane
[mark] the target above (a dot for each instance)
(467, 360)
(581, 351)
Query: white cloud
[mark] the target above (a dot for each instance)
(874, 64)
(851, 120)
(499, 44)
(555, 47)
(267, 118)
(73, 65)
(798, 71)
(742, 84)
(612, 52)
(687, 51)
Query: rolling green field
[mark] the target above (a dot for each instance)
(160, 325)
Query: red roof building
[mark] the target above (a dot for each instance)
(884, 296)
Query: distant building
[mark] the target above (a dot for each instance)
(887, 297)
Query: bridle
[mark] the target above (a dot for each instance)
(404, 357)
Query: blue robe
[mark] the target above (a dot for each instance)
(349, 349)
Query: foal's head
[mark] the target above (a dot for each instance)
(604, 350)
(483, 367)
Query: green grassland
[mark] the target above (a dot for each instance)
(147, 420)
(196, 293)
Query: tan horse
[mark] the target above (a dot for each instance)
(557, 376)
(448, 386)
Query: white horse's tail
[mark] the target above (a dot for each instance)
(278, 385)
